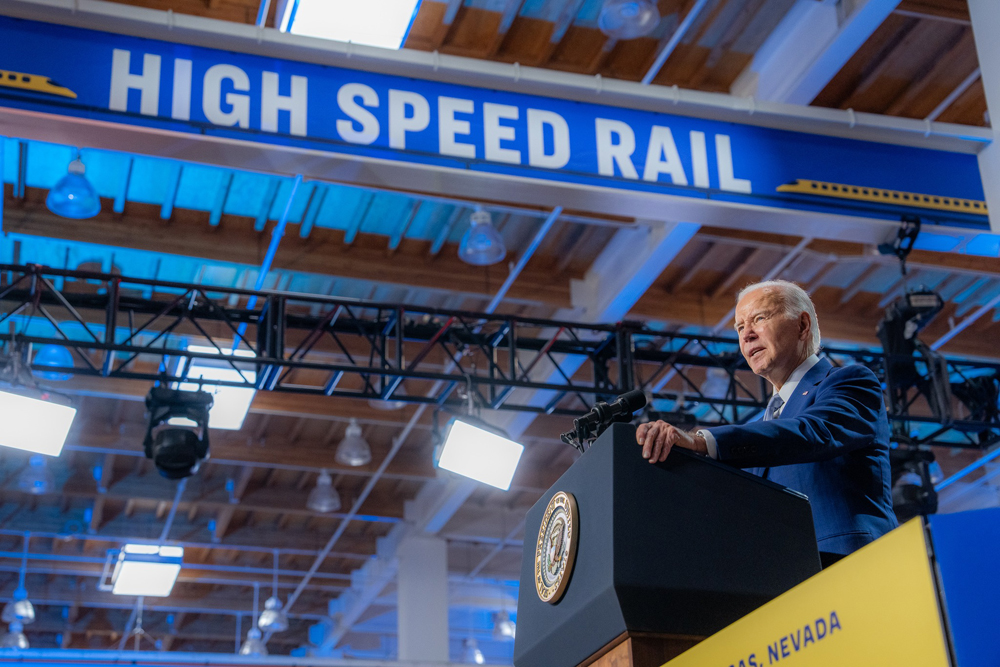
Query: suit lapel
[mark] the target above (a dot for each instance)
(813, 377)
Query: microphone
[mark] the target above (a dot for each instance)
(605, 413)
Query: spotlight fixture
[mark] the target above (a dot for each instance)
(146, 569)
(323, 498)
(475, 449)
(177, 435)
(353, 450)
(913, 490)
(230, 404)
(472, 652)
(503, 627)
(481, 244)
(36, 478)
(628, 19)
(73, 196)
(14, 637)
(54, 356)
(273, 618)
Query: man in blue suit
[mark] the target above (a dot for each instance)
(824, 433)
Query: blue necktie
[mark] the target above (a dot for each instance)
(773, 409)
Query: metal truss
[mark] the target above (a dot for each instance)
(118, 327)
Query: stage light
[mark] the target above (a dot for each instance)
(912, 485)
(55, 356)
(147, 569)
(353, 450)
(36, 478)
(481, 245)
(323, 498)
(474, 449)
(37, 425)
(383, 23)
(14, 637)
(503, 627)
(177, 435)
(628, 19)
(73, 196)
(230, 404)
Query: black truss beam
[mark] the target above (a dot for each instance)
(134, 328)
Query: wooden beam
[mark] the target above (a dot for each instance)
(325, 252)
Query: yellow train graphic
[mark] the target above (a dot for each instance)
(882, 196)
(33, 82)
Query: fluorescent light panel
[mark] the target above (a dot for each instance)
(231, 403)
(34, 425)
(146, 569)
(383, 23)
(480, 454)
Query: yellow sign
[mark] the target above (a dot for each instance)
(878, 606)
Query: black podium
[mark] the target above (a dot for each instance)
(678, 549)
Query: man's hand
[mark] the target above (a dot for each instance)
(657, 438)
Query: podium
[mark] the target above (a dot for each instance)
(666, 554)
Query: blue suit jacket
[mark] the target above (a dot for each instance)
(831, 443)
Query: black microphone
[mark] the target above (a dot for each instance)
(605, 413)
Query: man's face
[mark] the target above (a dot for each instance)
(772, 343)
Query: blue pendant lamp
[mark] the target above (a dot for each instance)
(73, 196)
(481, 244)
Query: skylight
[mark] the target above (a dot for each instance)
(383, 23)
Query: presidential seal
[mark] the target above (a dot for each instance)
(556, 547)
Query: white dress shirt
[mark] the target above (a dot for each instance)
(786, 392)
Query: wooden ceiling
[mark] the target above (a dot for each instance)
(249, 499)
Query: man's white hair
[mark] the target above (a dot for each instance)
(794, 301)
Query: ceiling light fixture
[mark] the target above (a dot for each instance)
(53, 356)
(323, 498)
(73, 196)
(628, 19)
(14, 637)
(384, 23)
(20, 609)
(177, 435)
(146, 569)
(503, 627)
(472, 652)
(36, 478)
(254, 645)
(481, 245)
(273, 618)
(230, 404)
(353, 450)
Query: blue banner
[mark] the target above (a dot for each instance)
(92, 74)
